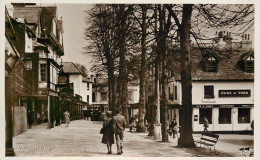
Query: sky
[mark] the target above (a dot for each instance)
(74, 25)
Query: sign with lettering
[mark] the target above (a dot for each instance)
(222, 105)
(234, 93)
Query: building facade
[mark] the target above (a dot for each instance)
(222, 88)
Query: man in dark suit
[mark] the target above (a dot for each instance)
(120, 123)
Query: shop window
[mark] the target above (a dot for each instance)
(243, 115)
(103, 96)
(224, 116)
(205, 112)
(43, 72)
(209, 92)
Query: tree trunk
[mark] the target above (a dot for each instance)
(141, 113)
(186, 139)
(161, 45)
(123, 92)
(164, 101)
(111, 85)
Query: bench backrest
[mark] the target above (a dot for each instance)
(209, 138)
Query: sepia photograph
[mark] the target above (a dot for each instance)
(129, 79)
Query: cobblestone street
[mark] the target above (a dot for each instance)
(82, 138)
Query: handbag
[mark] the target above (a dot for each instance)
(102, 131)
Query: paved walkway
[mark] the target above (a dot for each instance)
(82, 138)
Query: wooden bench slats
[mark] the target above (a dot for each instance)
(210, 140)
(210, 135)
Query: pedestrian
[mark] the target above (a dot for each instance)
(119, 127)
(146, 124)
(85, 114)
(206, 124)
(252, 127)
(132, 123)
(108, 135)
(30, 118)
(174, 128)
(67, 118)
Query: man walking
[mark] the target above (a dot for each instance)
(119, 123)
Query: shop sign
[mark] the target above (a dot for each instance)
(223, 105)
(204, 106)
(234, 93)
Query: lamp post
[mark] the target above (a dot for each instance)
(157, 126)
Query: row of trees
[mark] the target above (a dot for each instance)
(127, 41)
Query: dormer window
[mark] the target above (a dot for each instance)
(211, 64)
(249, 64)
(246, 62)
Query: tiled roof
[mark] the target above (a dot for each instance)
(47, 15)
(70, 67)
(227, 67)
(32, 14)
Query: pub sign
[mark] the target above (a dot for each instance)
(234, 93)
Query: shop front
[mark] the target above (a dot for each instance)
(233, 118)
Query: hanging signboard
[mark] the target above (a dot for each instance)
(234, 93)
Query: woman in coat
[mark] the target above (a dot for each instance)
(108, 136)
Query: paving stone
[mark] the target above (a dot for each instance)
(82, 139)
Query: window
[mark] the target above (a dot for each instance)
(87, 86)
(175, 92)
(224, 116)
(205, 112)
(130, 93)
(103, 96)
(170, 94)
(87, 98)
(43, 72)
(150, 88)
(93, 97)
(209, 92)
(243, 115)
(211, 64)
(249, 67)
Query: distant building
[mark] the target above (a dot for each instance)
(82, 86)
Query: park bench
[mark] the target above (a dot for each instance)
(208, 140)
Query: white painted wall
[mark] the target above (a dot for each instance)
(85, 92)
(28, 43)
(77, 83)
(135, 93)
(198, 98)
(198, 93)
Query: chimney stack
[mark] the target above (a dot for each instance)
(246, 43)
